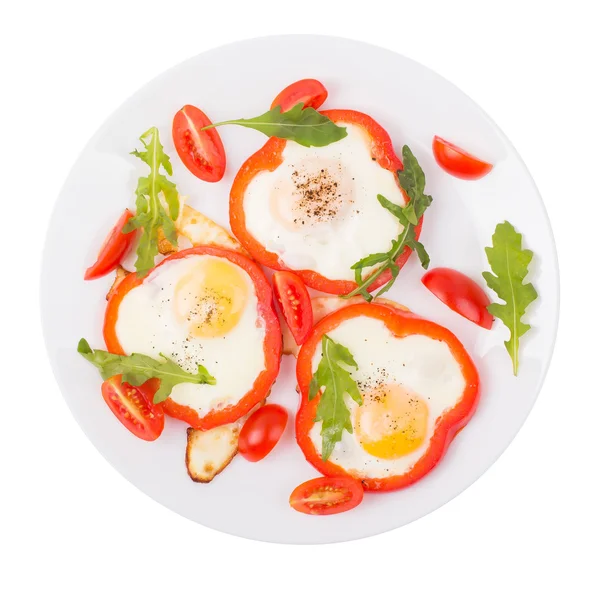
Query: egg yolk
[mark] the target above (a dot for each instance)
(316, 191)
(211, 298)
(391, 422)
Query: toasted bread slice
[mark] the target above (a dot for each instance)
(119, 276)
(165, 247)
(193, 229)
(209, 452)
(323, 306)
(200, 230)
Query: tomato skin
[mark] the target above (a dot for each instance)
(201, 152)
(268, 158)
(294, 301)
(327, 495)
(115, 247)
(458, 162)
(462, 294)
(261, 432)
(272, 344)
(133, 407)
(310, 92)
(401, 324)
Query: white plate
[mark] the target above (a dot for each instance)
(413, 104)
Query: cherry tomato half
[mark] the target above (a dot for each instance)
(327, 495)
(202, 152)
(115, 247)
(310, 92)
(294, 300)
(458, 162)
(261, 432)
(133, 407)
(461, 294)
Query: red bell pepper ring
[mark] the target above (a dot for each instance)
(268, 158)
(401, 324)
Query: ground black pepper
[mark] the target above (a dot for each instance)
(319, 197)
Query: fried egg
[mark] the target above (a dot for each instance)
(199, 309)
(406, 385)
(318, 210)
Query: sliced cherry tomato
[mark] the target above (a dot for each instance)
(310, 92)
(327, 495)
(261, 432)
(115, 247)
(295, 304)
(134, 408)
(458, 162)
(461, 294)
(202, 152)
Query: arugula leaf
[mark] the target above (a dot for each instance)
(138, 368)
(333, 380)
(150, 213)
(509, 262)
(305, 126)
(412, 180)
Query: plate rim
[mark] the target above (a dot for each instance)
(274, 39)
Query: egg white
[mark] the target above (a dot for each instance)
(423, 365)
(331, 247)
(147, 324)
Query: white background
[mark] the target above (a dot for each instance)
(67, 517)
